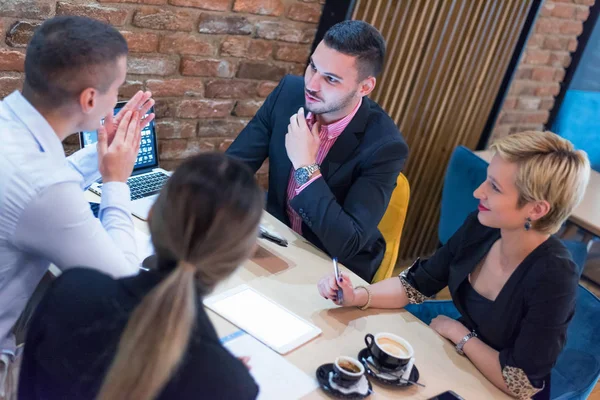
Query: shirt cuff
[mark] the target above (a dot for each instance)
(301, 188)
(115, 195)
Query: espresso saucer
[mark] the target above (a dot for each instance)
(364, 354)
(323, 373)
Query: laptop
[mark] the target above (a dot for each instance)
(147, 177)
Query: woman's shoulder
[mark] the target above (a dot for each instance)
(551, 264)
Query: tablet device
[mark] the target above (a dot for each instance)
(261, 317)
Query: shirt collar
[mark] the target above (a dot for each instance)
(334, 129)
(36, 124)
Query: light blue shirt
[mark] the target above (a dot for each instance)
(44, 216)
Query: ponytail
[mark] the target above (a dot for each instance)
(154, 340)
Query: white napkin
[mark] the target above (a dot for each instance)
(361, 386)
(402, 373)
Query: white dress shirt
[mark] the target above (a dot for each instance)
(44, 216)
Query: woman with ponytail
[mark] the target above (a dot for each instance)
(148, 336)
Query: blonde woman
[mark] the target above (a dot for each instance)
(149, 337)
(513, 284)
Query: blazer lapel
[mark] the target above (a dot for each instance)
(347, 142)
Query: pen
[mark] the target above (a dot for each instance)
(336, 270)
(265, 234)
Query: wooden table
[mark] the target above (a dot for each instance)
(587, 213)
(289, 276)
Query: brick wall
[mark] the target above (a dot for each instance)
(542, 68)
(209, 63)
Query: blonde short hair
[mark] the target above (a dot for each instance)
(550, 169)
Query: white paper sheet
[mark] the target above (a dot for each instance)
(277, 378)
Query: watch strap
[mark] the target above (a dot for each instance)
(464, 340)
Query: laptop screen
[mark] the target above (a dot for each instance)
(148, 155)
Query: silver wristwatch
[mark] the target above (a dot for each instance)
(302, 174)
(461, 344)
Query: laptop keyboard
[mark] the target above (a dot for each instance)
(146, 185)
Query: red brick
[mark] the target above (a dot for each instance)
(175, 129)
(509, 103)
(565, 11)
(177, 149)
(214, 5)
(34, 9)
(261, 7)
(224, 25)
(12, 60)
(175, 87)
(560, 59)
(547, 90)
(159, 18)
(230, 89)
(225, 145)
(170, 165)
(130, 88)
(547, 25)
(265, 88)
(585, 2)
(141, 42)
(247, 108)
(151, 65)
(292, 53)
(582, 13)
(192, 66)
(536, 41)
(537, 57)
(528, 103)
(305, 12)
(547, 104)
(572, 45)
(559, 75)
(20, 33)
(165, 108)
(546, 9)
(9, 84)
(260, 71)
(151, 2)
(523, 72)
(202, 108)
(543, 74)
(285, 32)
(296, 69)
(522, 88)
(245, 47)
(109, 15)
(556, 43)
(184, 43)
(570, 27)
(221, 127)
(499, 132)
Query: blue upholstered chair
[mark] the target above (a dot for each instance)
(578, 367)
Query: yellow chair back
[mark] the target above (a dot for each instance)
(391, 227)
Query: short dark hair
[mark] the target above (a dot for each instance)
(361, 40)
(67, 54)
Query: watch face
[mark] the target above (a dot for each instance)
(301, 175)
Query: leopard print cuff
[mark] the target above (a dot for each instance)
(414, 296)
(518, 383)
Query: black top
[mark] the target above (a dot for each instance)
(476, 306)
(527, 322)
(341, 211)
(75, 330)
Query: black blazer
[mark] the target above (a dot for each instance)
(529, 318)
(76, 328)
(341, 211)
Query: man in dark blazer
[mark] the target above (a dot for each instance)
(331, 171)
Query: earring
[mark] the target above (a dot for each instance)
(528, 224)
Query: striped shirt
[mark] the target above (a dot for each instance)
(328, 134)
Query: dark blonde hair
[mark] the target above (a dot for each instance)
(550, 169)
(206, 219)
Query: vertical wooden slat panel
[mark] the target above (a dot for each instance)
(444, 66)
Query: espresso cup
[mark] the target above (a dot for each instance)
(348, 371)
(388, 350)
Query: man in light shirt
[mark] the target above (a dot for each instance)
(73, 70)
